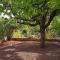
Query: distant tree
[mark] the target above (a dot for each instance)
(7, 27)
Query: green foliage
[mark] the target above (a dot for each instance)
(16, 33)
(25, 9)
(7, 27)
(54, 28)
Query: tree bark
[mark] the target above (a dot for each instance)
(8, 38)
(42, 32)
(42, 40)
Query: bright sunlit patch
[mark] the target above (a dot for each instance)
(48, 54)
(2, 14)
(1, 5)
(8, 55)
(12, 15)
(10, 49)
(27, 55)
(6, 16)
(1, 59)
(8, 11)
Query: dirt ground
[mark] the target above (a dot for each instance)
(29, 50)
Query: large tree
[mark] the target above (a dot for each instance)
(33, 12)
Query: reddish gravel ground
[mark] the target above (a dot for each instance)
(29, 50)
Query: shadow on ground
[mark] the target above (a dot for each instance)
(31, 51)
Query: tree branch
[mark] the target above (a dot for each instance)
(28, 23)
(40, 5)
(25, 21)
(35, 17)
(52, 15)
(18, 16)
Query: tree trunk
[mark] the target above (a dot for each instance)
(8, 38)
(42, 33)
(42, 40)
